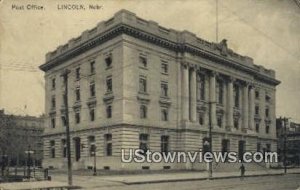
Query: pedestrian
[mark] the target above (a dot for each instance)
(242, 168)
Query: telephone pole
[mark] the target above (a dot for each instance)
(210, 137)
(284, 144)
(217, 21)
(65, 79)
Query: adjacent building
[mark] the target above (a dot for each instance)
(288, 132)
(136, 84)
(19, 134)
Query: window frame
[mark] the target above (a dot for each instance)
(142, 84)
(143, 111)
(164, 143)
(109, 84)
(108, 144)
(109, 111)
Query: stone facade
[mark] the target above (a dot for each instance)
(140, 83)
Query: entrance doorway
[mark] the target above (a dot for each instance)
(242, 147)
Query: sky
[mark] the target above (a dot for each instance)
(266, 30)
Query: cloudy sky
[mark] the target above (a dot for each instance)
(266, 30)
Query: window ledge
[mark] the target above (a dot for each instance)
(108, 98)
(108, 67)
(91, 101)
(145, 68)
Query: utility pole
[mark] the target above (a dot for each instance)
(284, 144)
(65, 79)
(217, 21)
(210, 139)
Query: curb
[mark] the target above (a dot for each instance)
(196, 179)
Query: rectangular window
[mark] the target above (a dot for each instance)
(236, 123)
(109, 84)
(143, 61)
(164, 114)
(52, 149)
(63, 120)
(92, 67)
(92, 114)
(219, 121)
(164, 143)
(267, 129)
(77, 117)
(144, 142)
(258, 147)
(201, 87)
(109, 111)
(201, 119)
(64, 148)
(92, 89)
(257, 127)
(77, 73)
(256, 110)
(143, 84)
(108, 61)
(164, 89)
(92, 145)
(77, 93)
(164, 67)
(53, 102)
(268, 98)
(219, 91)
(257, 94)
(53, 84)
(236, 96)
(53, 123)
(108, 144)
(267, 112)
(143, 111)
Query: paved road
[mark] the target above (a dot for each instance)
(288, 182)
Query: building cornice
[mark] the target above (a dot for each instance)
(182, 43)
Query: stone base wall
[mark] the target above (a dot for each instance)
(126, 137)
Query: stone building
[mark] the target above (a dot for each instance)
(18, 134)
(136, 84)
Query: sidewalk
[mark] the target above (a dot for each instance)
(97, 182)
(33, 185)
(160, 178)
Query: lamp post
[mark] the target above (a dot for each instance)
(285, 120)
(207, 149)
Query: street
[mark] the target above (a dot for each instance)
(286, 182)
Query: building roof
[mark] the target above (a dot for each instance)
(126, 22)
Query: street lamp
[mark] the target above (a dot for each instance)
(28, 152)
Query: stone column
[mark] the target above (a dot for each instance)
(245, 107)
(185, 92)
(212, 98)
(230, 102)
(193, 95)
(251, 107)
